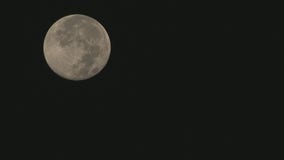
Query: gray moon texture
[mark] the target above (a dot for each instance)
(76, 47)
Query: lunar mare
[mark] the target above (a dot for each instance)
(76, 47)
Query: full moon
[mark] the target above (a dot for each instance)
(76, 47)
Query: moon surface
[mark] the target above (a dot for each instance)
(76, 47)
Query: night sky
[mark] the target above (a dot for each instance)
(184, 81)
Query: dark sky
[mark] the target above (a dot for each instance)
(184, 80)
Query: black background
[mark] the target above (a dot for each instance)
(184, 81)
